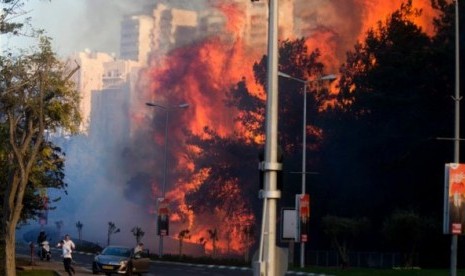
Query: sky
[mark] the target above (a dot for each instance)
(77, 25)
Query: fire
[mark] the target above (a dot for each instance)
(204, 72)
(377, 10)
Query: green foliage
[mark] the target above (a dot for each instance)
(342, 233)
(36, 97)
(405, 230)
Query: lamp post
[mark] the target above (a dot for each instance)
(165, 165)
(329, 77)
(457, 98)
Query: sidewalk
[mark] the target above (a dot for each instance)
(56, 266)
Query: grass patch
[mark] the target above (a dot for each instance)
(21, 261)
(378, 272)
(37, 273)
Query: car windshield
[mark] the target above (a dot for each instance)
(117, 251)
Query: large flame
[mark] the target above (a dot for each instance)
(204, 72)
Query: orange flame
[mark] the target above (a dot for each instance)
(203, 73)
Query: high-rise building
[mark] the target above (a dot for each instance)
(172, 28)
(135, 38)
(256, 28)
(87, 79)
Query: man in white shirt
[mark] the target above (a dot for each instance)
(67, 245)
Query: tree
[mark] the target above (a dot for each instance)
(112, 229)
(36, 97)
(393, 101)
(138, 233)
(202, 241)
(213, 237)
(342, 231)
(229, 164)
(59, 226)
(405, 230)
(10, 11)
(184, 234)
(79, 226)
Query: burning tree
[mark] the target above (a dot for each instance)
(228, 192)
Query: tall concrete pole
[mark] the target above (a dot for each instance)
(304, 169)
(165, 166)
(271, 145)
(453, 259)
(267, 252)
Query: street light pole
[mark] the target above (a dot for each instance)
(457, 98)
(267, 258)
(304, 142)
(165, 165)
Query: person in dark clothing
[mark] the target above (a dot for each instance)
(42, 237)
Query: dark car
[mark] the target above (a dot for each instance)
(120, 260)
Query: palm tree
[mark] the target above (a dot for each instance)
(59, 225)
(213, 234)
(203, 241)
(111, 230)
(79, 226)
(184, 234)
(138, 233)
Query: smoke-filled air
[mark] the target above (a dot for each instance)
(186, 58)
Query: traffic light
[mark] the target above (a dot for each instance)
(261, 158)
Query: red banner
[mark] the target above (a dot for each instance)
(163, 218)
(455, 200)
(303, 207)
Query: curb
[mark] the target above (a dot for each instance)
(237, 268)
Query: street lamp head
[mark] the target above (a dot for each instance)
(329, 77)
(183, 105)
(155, 105)
(284, 75)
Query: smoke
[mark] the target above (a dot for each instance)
(116, 172)
(90, 24)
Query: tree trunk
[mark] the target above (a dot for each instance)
(7, 245)
(12, 208)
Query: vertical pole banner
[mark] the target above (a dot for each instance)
(163, 218)
(454, 199)
(303, 215)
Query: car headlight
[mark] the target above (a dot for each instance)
(123, 263)
(96, 259)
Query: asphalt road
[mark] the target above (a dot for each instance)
(156, 268)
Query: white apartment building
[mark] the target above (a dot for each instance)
(98, 71)
(135, 38)
(87, 79)
(172, 28)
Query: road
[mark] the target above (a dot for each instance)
(156, 268)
